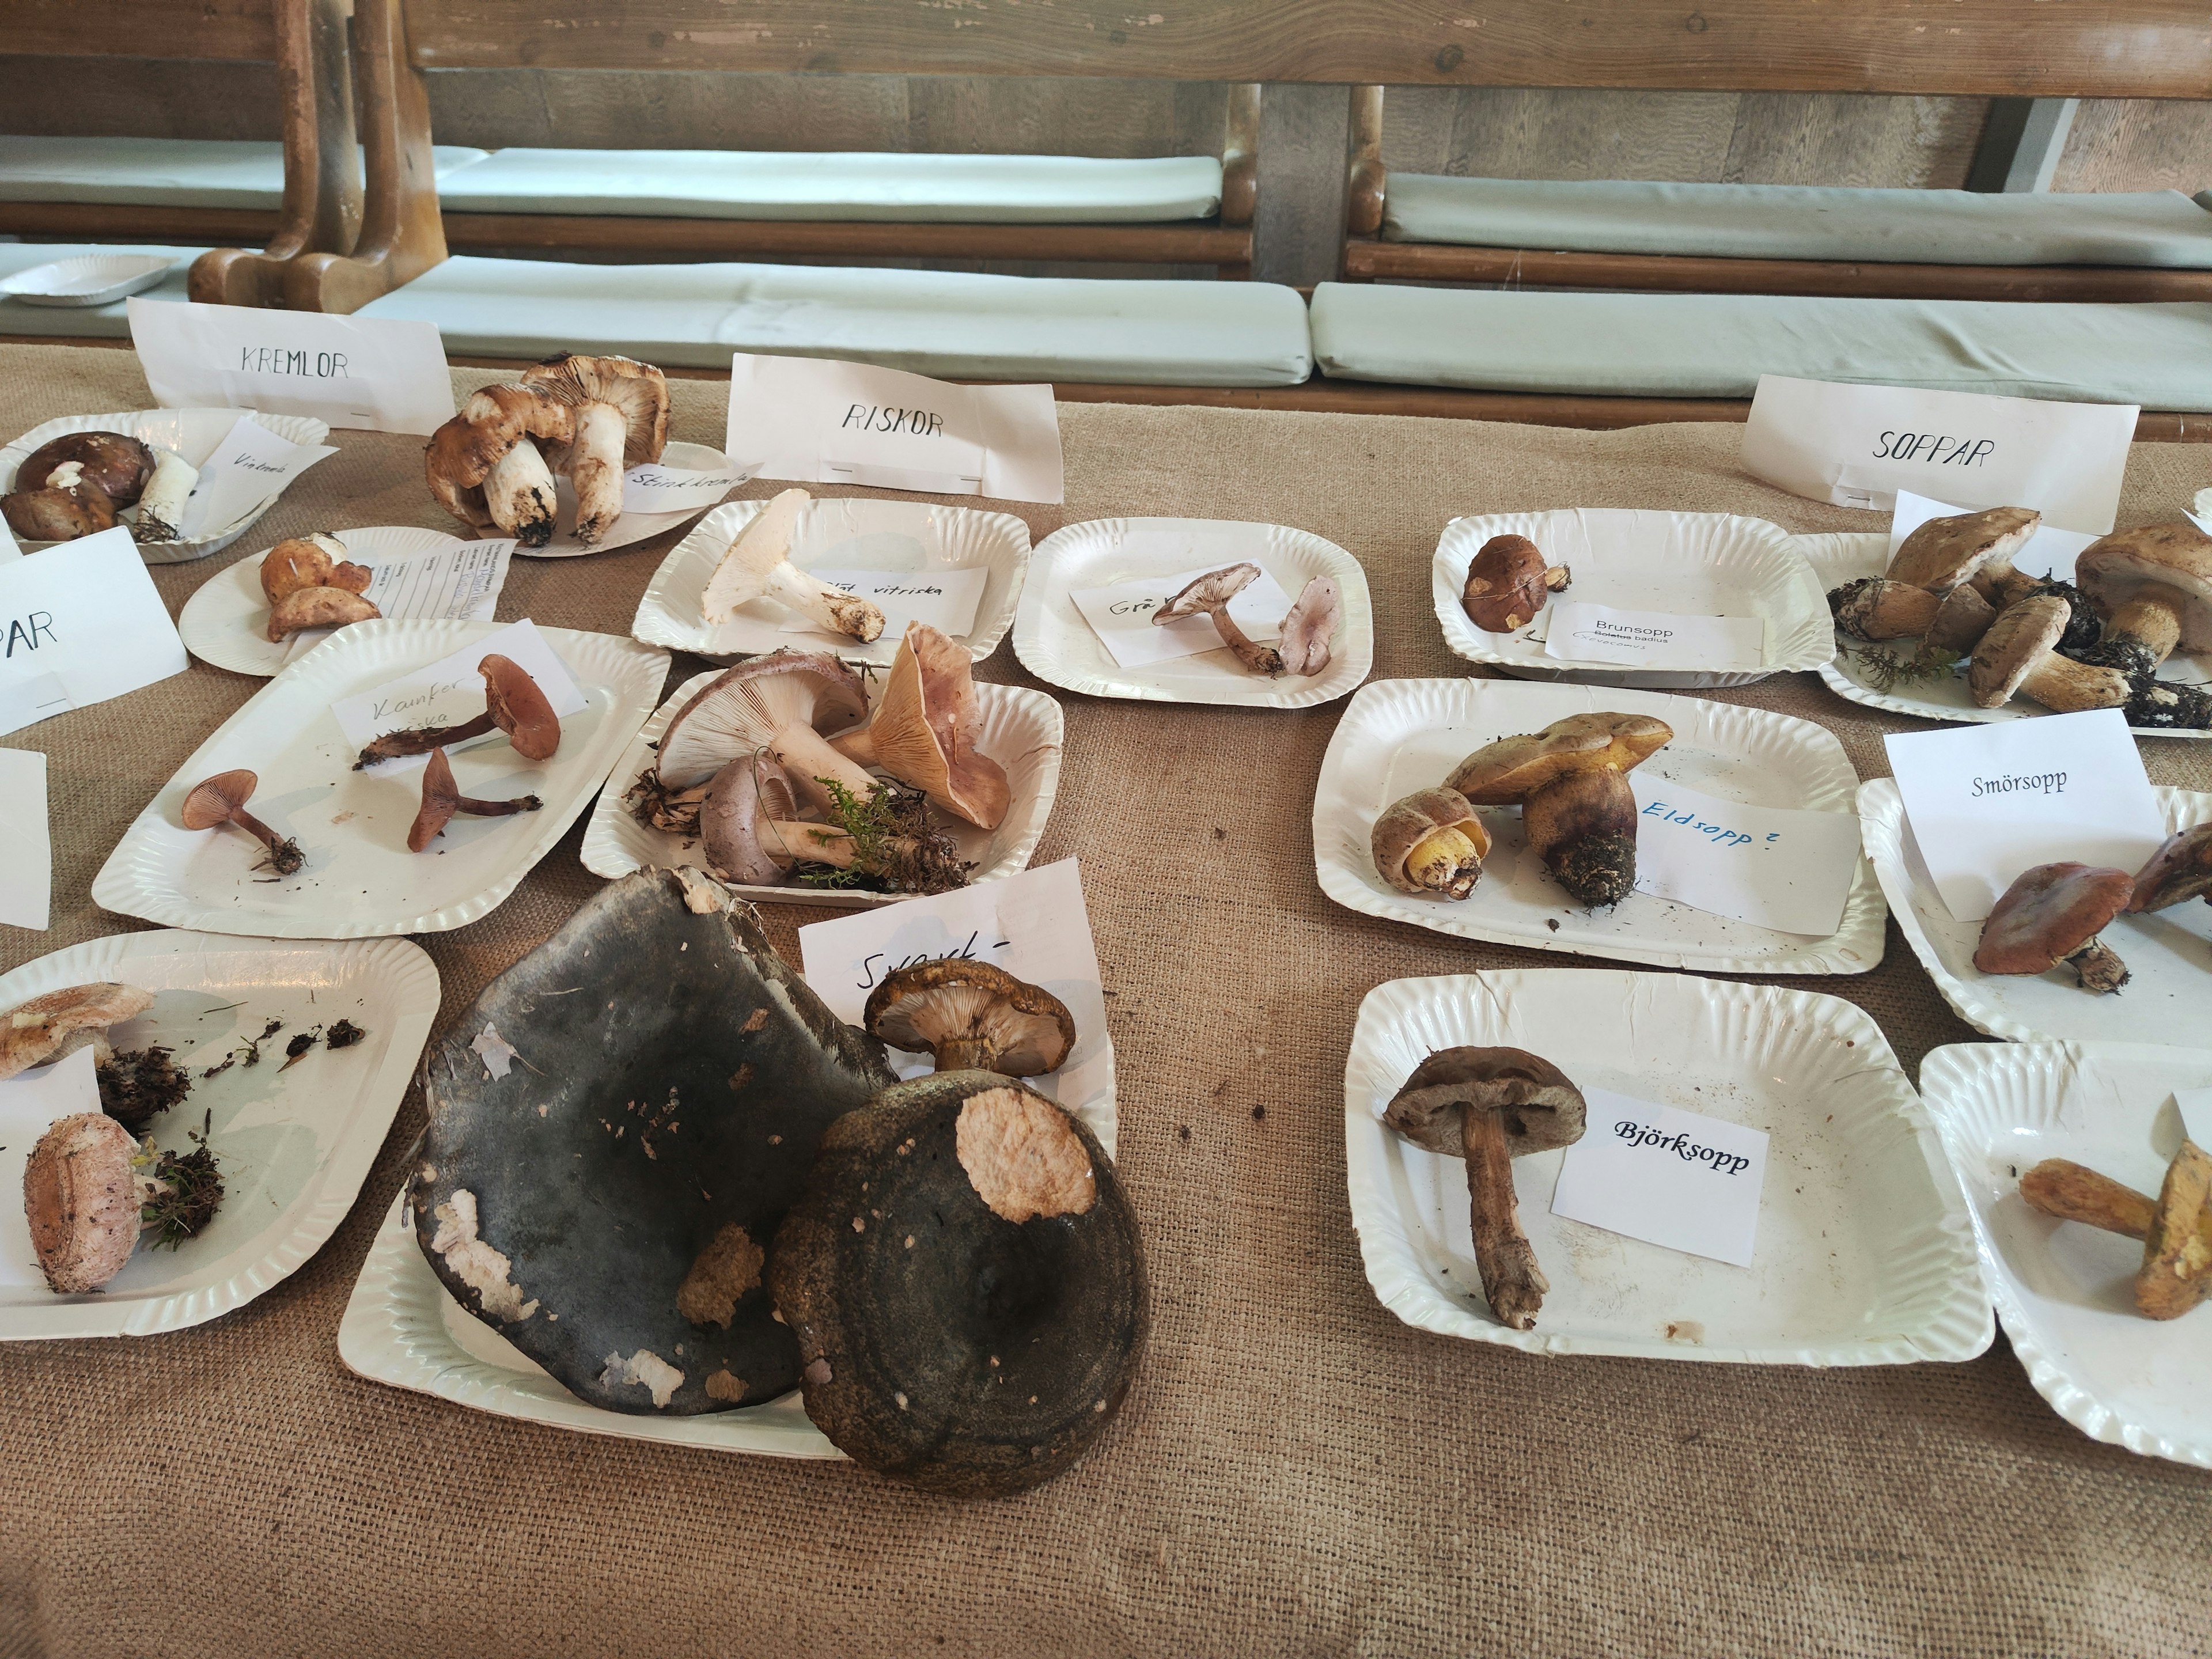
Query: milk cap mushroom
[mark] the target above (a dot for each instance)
(2179, 871)
(442, 798)
(743, 803)
(925, 728)
(317, 559)
(1944, 552)
(758, 564)
(221, 799)
(117, 464)
(513, 703)
(1875, 609)
(1209, 596)
(1508, 582)
(485, 465)
(44, 1029)
(1490, 1106)
(2053, 914)
(621, 420)
(1310, 626)
(778, 705)
(2019, 654)
(81, 1198)
(1431, 841)
(971, 1016)
(2154, 588)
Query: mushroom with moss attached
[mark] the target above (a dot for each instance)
(1508, 583)
(1576, 808)
(162, 505)
(2179, 871)
(1941, 553)
(2175, 1228)
(780, 706)
(758, 566)
(44, 1029)
(925, 728)
(2053, 914)
(221, 799)
(1310, 626)
(2154, 588)
(2019, 654)
(513, 703)
(485, 465)
(1431, 841)
(1875, 609)
(442, 798)
(971, 1016)
(1209, 596)
(620, 420)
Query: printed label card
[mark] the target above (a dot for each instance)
(1772, 867)
(458, 581)
(1652, 639)
(27, 847)
(79, 625)
(452, 690)
(1676, 1179)
(1121, 616)
(944, 599)
(249, 466)
(379, 374)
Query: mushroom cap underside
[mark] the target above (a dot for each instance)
(1512, 768)
(212, 800)
(49, 1026)
(1539, 1104)
(928, 1004)
(738, 712)
(1215, 588)
(1944, 552)
(637, 389)
(1405, 823)
(2048, 913)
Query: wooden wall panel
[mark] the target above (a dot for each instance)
(2138, 145)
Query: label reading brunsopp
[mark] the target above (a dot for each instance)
(1677, 1179)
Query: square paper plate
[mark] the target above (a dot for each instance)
(1864, 1254)
(1056, 645)
(629, 527)
(295, 1145)
(2168, 996)
(360, 879)
(1022, 731)
(2064, 1290)
(1398, 735)
(1688, 564)
(835, 535)
(1840, 558)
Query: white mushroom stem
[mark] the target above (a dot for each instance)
(595, 468)
(832, 607)
(809, 843)
(806, 754)
(519, 492)
(2152, 618)
(161, 508)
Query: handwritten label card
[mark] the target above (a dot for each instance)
(27, 848)
(1676, 1179)
(81, 623)
(1121, 616)
(1771, 865)
(654, 488)
(458, 581)
(249, 466)
(381, 375)
(945, 599)
(2050, 553)
(451, 690)
(31, 1103)
(1986, 802)
(1652, 639)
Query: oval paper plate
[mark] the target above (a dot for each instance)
(90, 279)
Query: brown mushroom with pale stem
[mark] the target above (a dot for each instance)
(1310, 626)
(1209, 596)
(485, 465)
(740, 822)
(1490, 1106)
(44, 1029)
(1958, 625)
(758, 566)
(2053, 914)
(1941, 553)
(1508, 583)
(64, 506)
(318, 607)
(923, 731)
(119, 465)
(779, 705)
(1874, 608)
(621, 420)
(971, 1016)
(80, 1199)
(442, 798)
(2179, 871)
(1431, 841)
(2154, 588)
(1576, 808)
(513, 703)
(2176, 1228)
(2019, 654)
(221, 799)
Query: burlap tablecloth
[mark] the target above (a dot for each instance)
(1295, 1471)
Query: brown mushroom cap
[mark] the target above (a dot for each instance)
(638, 390)
(1944, 552)
(462, 453)
(317, 607)
(441, 798)
(81, 1198)
(215, 800)
(2018, 641)
(2179, 871)
(57, 514)
(48, 1027)
(739, 712)
(1505, 585)
(1959, 623)
(2047, 915)
(923, 731)
(312, 561)
(1310, 627)
(1512, 768)
(746, 797)
(1538, 1103)
(1876, 608)
(2115, 568)
(519, 707)
(2176, 1266)
(1404, 824)
(971, 1016)
(117, 462)
(1209, 593)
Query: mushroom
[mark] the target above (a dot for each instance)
(118, 465)
(2053, 914)
(2179, 871)
(69, 505)
(778, 705)
(2154, 588)
(1508, 582)
(1209, 596)
(923, 731)
(1309, 627)
(971, 1016)
(745, 798)
(312, 561)
(81, 1198)
(44, 1029)
(2019, 654)
(621, 421)
(513, 702)
(2176, 1228)
(442, 798)
(1943, 552)
(1431, 841)
(2082, 628)
(1576, 808)
(758, 564)
(221, 799)
(1490, 1106)
(317, 607)
(1874, 608)
(1957, 626)
(484, 467)
(161, 505)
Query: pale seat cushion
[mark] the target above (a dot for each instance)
(106, 322)
(1802, 222)
(710, 184)
(199, 172)
(943, 323)
(1705, 345)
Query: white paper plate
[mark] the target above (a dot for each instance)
(1840, 558)
(90, 279)
(1689, 564)
(2168, 998)
(1022, 731)
(193, 434)
(295, 1148)
(360, 879)
(835, 535)
(226, 620)
(1056, 645)
(2062, 1289)
(1398, 735)
(629, 527)
(1864, 1256)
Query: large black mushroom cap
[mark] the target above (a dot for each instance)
(966, 1280)
(606, 1205)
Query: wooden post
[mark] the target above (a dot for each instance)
(1367, 180)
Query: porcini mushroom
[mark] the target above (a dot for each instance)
(1943, 552)
(161, 505)
(925, 727)
(745, 798)
(44, 1029)
(758, 565)
(2053, 914)
(971, 1016)
(778, 705)
(621, 421)
(2020, 654)
(2179, 871)
(66, 505)
(81, 1198)
(1508, 582)
(484, 466)
(1490, 1106)
(1577, 809)
(513, 702)
(1209, 596)
(2176, 1228)
(317, 559)
(1431, 841)
(1308, 628)
(221, 799)
(442, 798)
(1874, 608)
(2154, 588)
(117, 464)
(1957, 626)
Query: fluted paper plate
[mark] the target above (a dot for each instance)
(2168, 997)
(2063, 1292)
(628, 528)
(89, 279)
(226, 620)
(1687, 564)
(1022, 731)
(835, 535)
(295, 1145)
(360, 879)
(1864, 1254)
(1398, 735)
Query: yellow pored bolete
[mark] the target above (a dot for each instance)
(1431, 841)
(2176, 1228)
(1576, 808)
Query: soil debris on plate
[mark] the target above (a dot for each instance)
(182, 1191)
(137, 1085)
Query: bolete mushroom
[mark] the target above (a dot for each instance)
(221, 799)
(162, 505)
(1490, 1106)
(1957, 626)
(2179, 871)
(1576, 808)
(484, 466)
(742, 804)
(925, 728)
(1310, 626)
(1874, 608)
(971, 1016)
(66, 505)
(2053, 914)
(965, 1278)
(117, 464)
(1941, 553)
(2154, 588)
(317, 560)
(81, 1198)
(2176, 1228)
(758, 565)
(1431, 841)
(442, 798)
(513, 702)
(778, 705)
(46, 1028)
(1508, 583)
(1209, 596)
(621, 420)
(2019, 654)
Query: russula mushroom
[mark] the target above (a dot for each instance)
(484, 466)
(1957, 626)
(66, 505)
(2154, 588)
(1431, 841)
(1309, 627)
(513, 702)
(1941, 553)
(115, 463)
(2175, 1228)
(758, 565)
(1508, 582)
(621, 421)
(2179, 871)
(1875, 609)
(1490, 1106)
(2019, 654)
(81, 1198)
(317, 559)
(925, 727)
(2053, 914)
(971, 1016)
(1577, 809)
(965, 1278)
(46, 1028)
(442, 798)
(1209, 596)
(221, 799)
(161, 505)
(778, 705)
(744, 799)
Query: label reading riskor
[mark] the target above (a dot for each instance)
(1670, 1178)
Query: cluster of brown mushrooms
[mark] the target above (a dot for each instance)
(1508, 583)
(1309, 627)
(1579, 813)
(309, 583)
(82, 483)
(2175, 1228)
(2096, 642)
(2054, 913)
